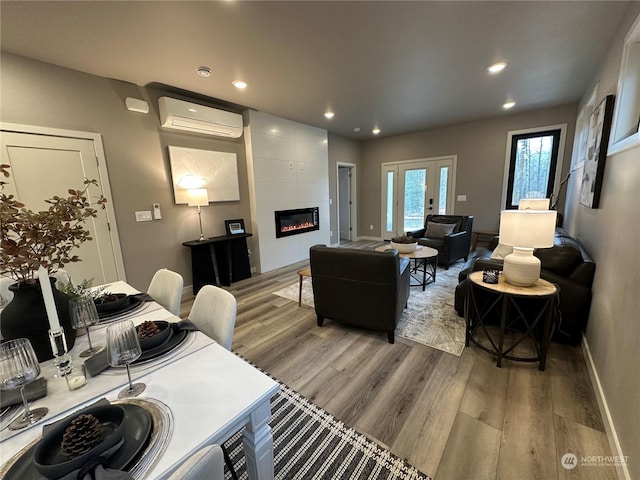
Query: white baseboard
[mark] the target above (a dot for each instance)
(188, 290)
(612, 436)
(361, 237)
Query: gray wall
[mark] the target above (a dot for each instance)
(36, 93)
(611, 234)
(346, 151)
(480, 147)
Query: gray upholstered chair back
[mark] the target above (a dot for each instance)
(166, 289)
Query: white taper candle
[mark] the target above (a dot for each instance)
(47, 295)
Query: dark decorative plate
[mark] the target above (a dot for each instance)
(110, 302)
(159, 338)
(137, 427)
(175, 338)
(130, 305)
(48, 458)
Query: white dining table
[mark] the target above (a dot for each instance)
(211, 393)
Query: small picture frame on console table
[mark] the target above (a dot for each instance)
(234, 227)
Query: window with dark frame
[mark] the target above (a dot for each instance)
(532, 166)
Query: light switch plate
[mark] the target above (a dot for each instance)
(144, 216)
(156, 211)
(462, 198)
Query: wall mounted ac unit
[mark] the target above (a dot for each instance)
(198, 118)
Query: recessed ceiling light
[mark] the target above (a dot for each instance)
(328, 115)
(356, 130)
(239, 84)
(375, 131)
(509, 105)
(204, 71)
(497, 67)
(193, 110)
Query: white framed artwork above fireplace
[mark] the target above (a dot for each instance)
(288, 169)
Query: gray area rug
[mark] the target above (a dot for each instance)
(429, 319)
(310, 443)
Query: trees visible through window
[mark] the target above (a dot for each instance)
(532, 166)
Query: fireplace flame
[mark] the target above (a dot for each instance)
(290, 228)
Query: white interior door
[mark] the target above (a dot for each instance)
(43, 166)
(414, 189)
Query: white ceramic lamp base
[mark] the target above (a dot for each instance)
(521, 267)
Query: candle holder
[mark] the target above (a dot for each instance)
(61, 359)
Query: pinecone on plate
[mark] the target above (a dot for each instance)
(147, 329)
(82, 435)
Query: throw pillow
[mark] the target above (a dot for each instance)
(439, 230)
(501, 251)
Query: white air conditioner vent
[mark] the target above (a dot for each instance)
(192, 117)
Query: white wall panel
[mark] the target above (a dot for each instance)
(311, 153)
(276, 146)
(274, 170)
(312, 172)
(270, 146)
(308, 135)
(274, 193)
(262, 123)
(312, 194)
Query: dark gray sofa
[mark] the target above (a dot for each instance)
(566, 264)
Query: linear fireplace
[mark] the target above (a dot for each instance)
(293, 222)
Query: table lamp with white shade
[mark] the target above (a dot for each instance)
(525, 230)
(198, 197)
(534, 204)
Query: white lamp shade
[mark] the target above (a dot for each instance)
(527, 228)
(197, 197)
(534, 204)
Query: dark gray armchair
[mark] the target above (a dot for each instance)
(449, 234)
(364, 288)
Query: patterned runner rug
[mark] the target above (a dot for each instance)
(311, 444)
(429, 319)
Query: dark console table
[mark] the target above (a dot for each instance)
(219, 260)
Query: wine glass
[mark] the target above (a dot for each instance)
(18, 367)
(123, 347)
(83, 315)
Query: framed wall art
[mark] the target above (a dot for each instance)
(596, 154)
(234, 227)
(215, 171)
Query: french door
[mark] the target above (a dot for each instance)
(413, 189)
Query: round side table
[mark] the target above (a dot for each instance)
(507, 298)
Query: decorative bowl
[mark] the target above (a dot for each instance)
(48, 458)
(404, 247)
(158, 338)
(110, 302)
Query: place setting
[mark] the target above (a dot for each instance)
(116, 306)
(123, 438)
(157, 340)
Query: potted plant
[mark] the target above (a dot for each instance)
(47, 238)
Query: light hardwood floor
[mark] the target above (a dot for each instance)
(452, 417)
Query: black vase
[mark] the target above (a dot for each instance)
(26, 317)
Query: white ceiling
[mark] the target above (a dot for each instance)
(402, 66)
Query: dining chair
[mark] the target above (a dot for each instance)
(166, 289)
(206, 464)
(214, 313)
